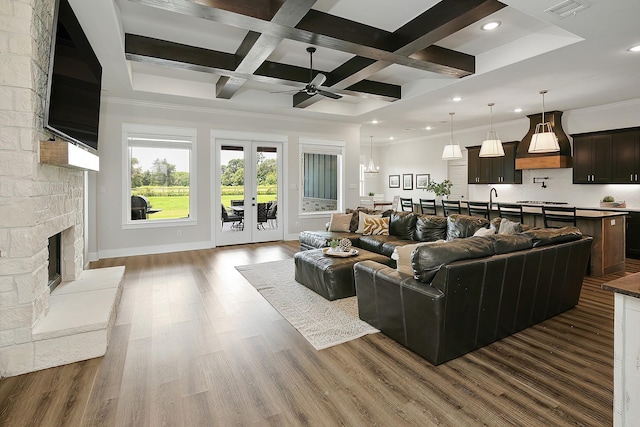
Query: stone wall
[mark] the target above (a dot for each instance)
(36, 201)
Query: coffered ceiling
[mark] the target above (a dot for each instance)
(398, 62)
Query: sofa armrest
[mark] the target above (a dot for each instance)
(403, 308)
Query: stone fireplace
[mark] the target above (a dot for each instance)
(36, 201)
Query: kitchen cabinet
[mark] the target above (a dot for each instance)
(626, 157)
(592, 159)
(633, 235)
(493, 170)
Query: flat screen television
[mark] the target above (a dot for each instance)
(72, 109)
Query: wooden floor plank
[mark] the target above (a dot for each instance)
(196, 344)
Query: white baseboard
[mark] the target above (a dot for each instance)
(150, 250)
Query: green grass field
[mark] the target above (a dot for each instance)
(178, 206)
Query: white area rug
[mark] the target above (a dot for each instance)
(323, 323)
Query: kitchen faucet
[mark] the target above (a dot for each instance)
(491, 192)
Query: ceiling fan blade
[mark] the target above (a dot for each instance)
(328, 94)
(318, 80)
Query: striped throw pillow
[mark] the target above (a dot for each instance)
(376, 226)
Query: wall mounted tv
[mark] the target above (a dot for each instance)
(72, 109)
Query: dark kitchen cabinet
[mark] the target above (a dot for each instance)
(626, 157)
(592, 159)
(493, 170)
(633, 235)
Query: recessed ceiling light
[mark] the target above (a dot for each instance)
(374, 122)
(391, 138)
(517, 110)
(428, 128)
(456, 99)
(635, 48)
(491, 25)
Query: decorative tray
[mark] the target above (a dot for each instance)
(340, 254)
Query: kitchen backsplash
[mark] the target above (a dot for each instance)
(559, 188)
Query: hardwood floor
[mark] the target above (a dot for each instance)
(195, 345)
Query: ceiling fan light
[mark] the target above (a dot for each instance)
(451, 152)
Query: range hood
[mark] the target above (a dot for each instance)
(561, 159)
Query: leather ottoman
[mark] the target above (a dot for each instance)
(331, 277)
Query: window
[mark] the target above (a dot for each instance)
(321, 176)
(161, 174)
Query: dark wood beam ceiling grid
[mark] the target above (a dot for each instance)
(256, 47)
(162, 52)
(270, 21)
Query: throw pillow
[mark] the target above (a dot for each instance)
(402, 256)
(376, 226)
(484, 232)
(364, 216)
(340, 222)
(509, 227)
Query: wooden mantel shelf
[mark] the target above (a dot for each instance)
(65, 154)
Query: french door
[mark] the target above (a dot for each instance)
(248, 183)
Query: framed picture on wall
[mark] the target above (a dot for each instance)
(422, 180)
(394, 181)
(407, 181)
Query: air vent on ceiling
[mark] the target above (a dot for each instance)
(568, 8)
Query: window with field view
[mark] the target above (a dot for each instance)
(161, 175)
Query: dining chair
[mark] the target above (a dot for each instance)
(428, 206)
(478, 209)
(558, 214)
(511, 211)
(451, 206)
(406, 205)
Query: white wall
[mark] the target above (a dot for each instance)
(114, 240)
(423, 156)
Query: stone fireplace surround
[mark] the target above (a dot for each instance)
(38, 329)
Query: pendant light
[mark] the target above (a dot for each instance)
(492, 146)
(372, 167)
(544, 140)
(451, 151)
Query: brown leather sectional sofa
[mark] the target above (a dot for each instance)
(470, 292)
(466, 292)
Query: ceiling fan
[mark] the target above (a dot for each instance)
(313, 87)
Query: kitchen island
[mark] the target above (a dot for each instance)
(607, 229)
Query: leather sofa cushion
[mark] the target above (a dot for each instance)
(403, 225)
(430, 228)
(460, 226)
(551, 236)
(428, 259)
(402, 256)
(381, 244)
(505, 243)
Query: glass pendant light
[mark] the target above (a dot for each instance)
(372, 167)
(492, 146)
(544, 140)
(451, 151)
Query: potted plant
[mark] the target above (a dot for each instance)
(610, 202)
(440, 189)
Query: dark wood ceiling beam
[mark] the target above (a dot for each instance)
(162, 52)
(256, 48)
(415, 39)
(261, 9)
(188, 7)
